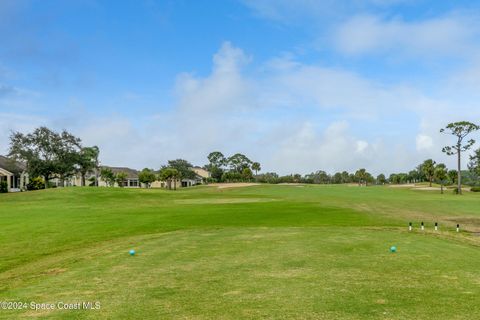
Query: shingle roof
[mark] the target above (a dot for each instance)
(11, 165)
(131, 173)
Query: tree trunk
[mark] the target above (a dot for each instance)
(83, 180)
(459, 178)
(441, 188)
(430, 180)
(96, 176)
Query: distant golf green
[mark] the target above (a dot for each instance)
(257, 252)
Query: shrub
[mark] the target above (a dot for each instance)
(3, 187)
(36, 184)
(455, 190)
(475, 189)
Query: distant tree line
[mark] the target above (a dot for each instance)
(428, 171)
(59, 155)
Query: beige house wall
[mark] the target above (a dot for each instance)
(164, 184)
(7, 176)
(201, 172)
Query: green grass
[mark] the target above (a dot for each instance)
(279, 252)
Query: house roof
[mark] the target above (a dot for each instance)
(131, 173)
(11, 165)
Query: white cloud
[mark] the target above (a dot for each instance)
(371, 34)
(288, 11)
(424, 142)
(361, 146)
(224, 88)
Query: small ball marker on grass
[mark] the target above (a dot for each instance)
(423, 227)
(436, 226)
(393, 249)
(409, 226)
(131, 252)
(458, 228)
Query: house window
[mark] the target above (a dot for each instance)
(133, 183)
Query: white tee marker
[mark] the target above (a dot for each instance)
(423, 227)
(409, 226)
(458, 228)
(436, 226)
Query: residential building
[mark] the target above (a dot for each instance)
(13, 172)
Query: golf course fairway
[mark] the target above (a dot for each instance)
(257, 252)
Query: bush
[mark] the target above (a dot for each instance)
(36, 184)
(455, 190)
(3, 187)
(475, 189)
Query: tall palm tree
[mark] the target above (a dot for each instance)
(256, 167)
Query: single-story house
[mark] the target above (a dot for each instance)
(13, 172)
(201, 176)
(131, 180)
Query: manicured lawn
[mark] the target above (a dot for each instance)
(280, 252)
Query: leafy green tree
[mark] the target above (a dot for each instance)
(460, 130)
(420, 175)
(216, 159)
(269, 177)
(36, 183)
(183, 167)
(441, 175)
(3, 186)
(452, 174)
(247, 174)
(361, 176)
(256, 167)
(108, 176)
(337, 178)
(381, 179)
(428, 169)
(346, 177)
(369, 179)
(147, 176)
(238, 162)
(68, 148)
(297, 178)
(393, 179)
(413, 176)
(403, 178)
(319, 177)
(216, 163)
(474, 164)
(45, 152)
(169, 174)
(215, 172)
(121, 178)
(87, 161)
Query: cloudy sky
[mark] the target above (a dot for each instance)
(296, 85)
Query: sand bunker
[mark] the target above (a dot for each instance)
(222, 201)
(233, 185)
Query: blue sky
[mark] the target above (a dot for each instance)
(297, 85)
